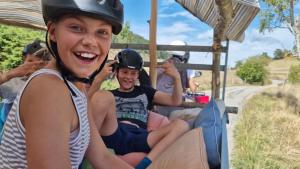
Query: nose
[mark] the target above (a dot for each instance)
(89, 40)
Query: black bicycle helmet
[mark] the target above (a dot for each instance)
(129, 58)
(108, 10)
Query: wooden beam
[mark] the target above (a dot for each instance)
(180, 66)
(191, 48)
(228, 109)
(152, 45)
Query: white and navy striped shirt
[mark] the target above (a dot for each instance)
(13, 147)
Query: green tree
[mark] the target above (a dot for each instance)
(127, 36)
(278, 54)
(281, 14)
(252, 71)
(12, 42)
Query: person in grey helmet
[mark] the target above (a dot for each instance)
(50, 125)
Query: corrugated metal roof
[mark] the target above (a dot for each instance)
(206, 10)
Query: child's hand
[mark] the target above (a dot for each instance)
(106, 71)
(170, 69)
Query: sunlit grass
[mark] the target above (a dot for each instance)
(267, 135)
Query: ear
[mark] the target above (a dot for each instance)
(51, 31)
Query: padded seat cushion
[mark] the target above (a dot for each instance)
(188, 152)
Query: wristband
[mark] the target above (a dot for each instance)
(144, 163)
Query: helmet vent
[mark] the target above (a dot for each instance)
(101, 2)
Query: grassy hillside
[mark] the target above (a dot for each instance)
(205, 79)
(279, 69)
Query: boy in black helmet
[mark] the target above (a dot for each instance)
(49, 125)
(129, 133)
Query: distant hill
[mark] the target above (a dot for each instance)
(127, 36)
(279, 69)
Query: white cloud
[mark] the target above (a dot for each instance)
(168, 2)
(255, 43)
(176, 28)
(176, 31)
(176, 14)
(205, 37)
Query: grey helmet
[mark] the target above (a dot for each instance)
(108, 10)
(183, 56)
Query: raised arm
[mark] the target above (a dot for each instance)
(25, 69)
(102, 75)
(175, 98)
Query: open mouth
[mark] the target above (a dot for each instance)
(86, 57)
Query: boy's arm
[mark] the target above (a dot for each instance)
(102, 75)
(193, 86)
(20, 71)
(175, 98)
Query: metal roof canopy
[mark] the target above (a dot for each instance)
(243, 12)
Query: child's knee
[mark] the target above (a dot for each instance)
(181, 125)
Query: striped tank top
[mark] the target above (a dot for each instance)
(12, 145)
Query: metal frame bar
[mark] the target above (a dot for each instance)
(225, 71)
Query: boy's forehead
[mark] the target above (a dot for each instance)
(82, 17)
(128, 69)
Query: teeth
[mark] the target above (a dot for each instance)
(86, 55)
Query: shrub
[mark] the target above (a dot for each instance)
(252, 71)
(278, 54)
(294, 74)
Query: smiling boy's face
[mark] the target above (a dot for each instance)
(82, 42)
(127, 78)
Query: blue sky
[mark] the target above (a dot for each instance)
(175, 23)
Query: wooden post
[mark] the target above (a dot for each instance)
(216, 66)
(152, 44)
(225, 11)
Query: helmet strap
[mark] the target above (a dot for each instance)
(65, 72)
